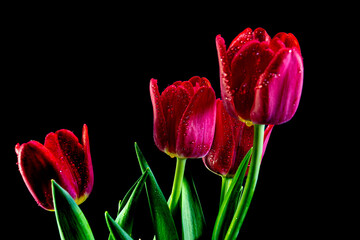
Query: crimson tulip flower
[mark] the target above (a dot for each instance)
(61, 158)
(261, 78)
(233, 139)
(184, 117)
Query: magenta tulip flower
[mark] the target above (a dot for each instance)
(61, 158)
(184, 117)
(233, 139)
(261, 78)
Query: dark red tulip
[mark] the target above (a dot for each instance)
(233, 139)
(184, 117)
(61, 158)
(261, 78)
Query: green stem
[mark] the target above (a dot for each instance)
(225, 184)
(176, 189)
(250, 184)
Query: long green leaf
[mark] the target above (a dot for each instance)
(127, 207)
(134, 191)
(117, 232)
(192, 216)
(163, 222)
(228, 206)
(72, 223)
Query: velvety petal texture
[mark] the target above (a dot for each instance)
(61, 158)
(233, 139)
(261, 78)
(184, 117)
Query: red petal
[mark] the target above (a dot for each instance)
(188, 86)
(38, 166)
(243, 37)
(289, 40)
(261, 35)
(247, 66)
(220, 158)
(197, 125)
(198, 82)
(278, 92)
(174, 101)
(160, 133)
(66, 148)
(88, 180)
(225, 77)
(276, 44)
(244, 143)
(267, 134)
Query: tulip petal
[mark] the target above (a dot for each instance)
(160, 133)
(267, 134)
(188, 86)
(38, 166)
(278, 92)
(289, 40)
(243, 37)
(198, 82)
(247, 66)
(197, 125)
(261, 35)
(219, 159)
(225, 77)
(244, 143)
(65, 146)
(88, 182)
(174, 102)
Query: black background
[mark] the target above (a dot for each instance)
(69, 65)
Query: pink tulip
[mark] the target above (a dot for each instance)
(184, 117)
(261, 78)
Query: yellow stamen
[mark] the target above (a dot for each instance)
(247, 122)
(172, 155)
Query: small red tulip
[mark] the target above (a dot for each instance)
(61, 158)
(261, 78)
(184, 117)
(233, 139)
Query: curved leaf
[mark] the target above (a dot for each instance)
(117, 232)
(232, 197)
(163, 222)
(72, 223)
(192, 216)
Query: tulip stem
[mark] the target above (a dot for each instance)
(225, 184)
(176, 189)
(250, 184)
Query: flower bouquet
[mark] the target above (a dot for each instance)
(261, 82)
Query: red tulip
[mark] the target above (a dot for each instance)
(261, 78)
(184, 117)
(233, 139)
(61, 158)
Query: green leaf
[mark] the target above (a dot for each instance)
(232, 197)
(71, 222)
(127, 207)
(192, 216)
(117, 232)
(139, 184)
(163, 222)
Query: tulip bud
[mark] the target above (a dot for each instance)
(184, 117)
(233, 139)
(61, 158)
(261, 78)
